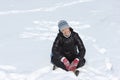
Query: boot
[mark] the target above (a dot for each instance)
(76, 72)
(54, 67)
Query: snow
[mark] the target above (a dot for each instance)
(7, 67)
(86, 73)
(28, 29)
(108, 64)
(45, 9)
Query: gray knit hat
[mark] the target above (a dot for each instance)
(63, 24)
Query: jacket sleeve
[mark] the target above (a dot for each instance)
(56, 48)
(80, 46)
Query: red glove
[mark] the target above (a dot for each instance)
(65, 62)
(73, 65)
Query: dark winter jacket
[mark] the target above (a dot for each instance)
(70, 48)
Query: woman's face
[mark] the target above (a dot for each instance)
(66, 32)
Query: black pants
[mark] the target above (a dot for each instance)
(58, 63)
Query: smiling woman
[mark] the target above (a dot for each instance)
(68, 50)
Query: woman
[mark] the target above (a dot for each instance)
(68, 50)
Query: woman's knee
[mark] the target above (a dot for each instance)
(81, 63)
(58, 63)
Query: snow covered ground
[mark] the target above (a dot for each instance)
(28, 29)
